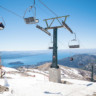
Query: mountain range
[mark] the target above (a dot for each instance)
(81, 61)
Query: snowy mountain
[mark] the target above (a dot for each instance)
(81, 61)
(67, 72)
(78, 60)
(35, 82)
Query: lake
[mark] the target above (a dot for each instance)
(29, 58)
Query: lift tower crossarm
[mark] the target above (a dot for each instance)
(57, 17)
(67, 27)
(54, 27)
(43, 29)
(49, 26)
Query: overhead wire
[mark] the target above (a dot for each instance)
(50, 10)
(41, 9)
(10, 11)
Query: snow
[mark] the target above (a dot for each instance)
(37, 84)
(67, 72)
(8, 69)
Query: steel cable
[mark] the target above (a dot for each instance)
(11, 11)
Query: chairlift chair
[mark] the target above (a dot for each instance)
(1, 26)
(30, 19)
(50, 45)
(2, 23)
(71, 59)
(74, 43)
(81, 64)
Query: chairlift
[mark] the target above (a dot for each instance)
(71, 59)
(74, 43)
(30, 19)
(51, 45)
(2, 24)
(81, 64)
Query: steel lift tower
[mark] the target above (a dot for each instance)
(54, 71)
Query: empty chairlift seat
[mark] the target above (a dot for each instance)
(74, 46)
(81, 64)
(74, 43)
(30, 19)
(50, 44)
(50, 47)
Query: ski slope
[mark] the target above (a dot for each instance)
(34, 83)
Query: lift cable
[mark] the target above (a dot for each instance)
(34, 2)
(3, 20)
(10, 11)
(49, 9)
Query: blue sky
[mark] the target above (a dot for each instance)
(18, 36)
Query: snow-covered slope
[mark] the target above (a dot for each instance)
(33, 82)
(67, 72)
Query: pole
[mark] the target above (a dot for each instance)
(92, 74)
(54, 61)
(0, 66)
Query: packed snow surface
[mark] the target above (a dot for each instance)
(34, 83)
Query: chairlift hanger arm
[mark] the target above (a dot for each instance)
(3, 20)
(30, 7)
(2, 24)
(75, 35)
